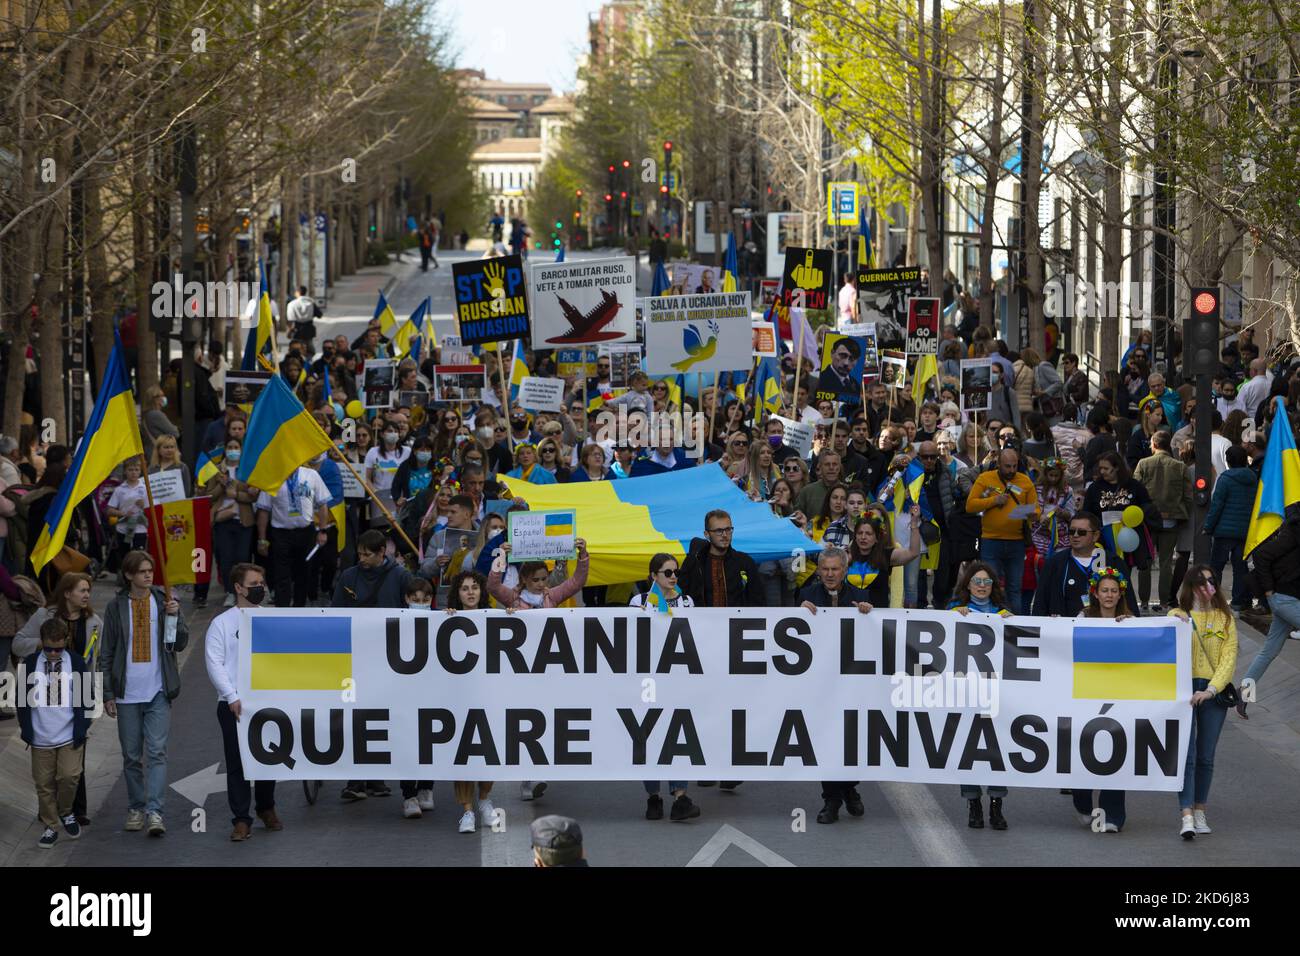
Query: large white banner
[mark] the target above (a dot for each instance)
(714, 694)
(583, 302)
(698, 333)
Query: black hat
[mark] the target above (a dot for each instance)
(559, 839)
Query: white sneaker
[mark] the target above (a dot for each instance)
(229, 601)
(134, 820)
(467, 822)
(531, 789)
(1202, 826)
(425, 799)
(1111, 828)
(1294, 635)
(487, 812)
(156, 828)
(411, 809)
(1085, 819)
(1188, 831)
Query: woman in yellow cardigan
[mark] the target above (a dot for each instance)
(1214, 657)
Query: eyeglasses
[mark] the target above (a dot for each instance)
(981, 582)
(721, 530)
(740, 444)
(1080, 532)
(1004, 436)
(668, 572)
(499, 428)
(791, 468)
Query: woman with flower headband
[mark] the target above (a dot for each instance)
(526, 467)
(1106, 590)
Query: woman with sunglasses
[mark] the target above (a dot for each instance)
(795, 471)
(872, 554)
(979, 590)
(591, 464)
(527, 467)
(444, 438)
(548, 457)
(1106, 590)
(735, 457)
(1214, 658)
(664, 571)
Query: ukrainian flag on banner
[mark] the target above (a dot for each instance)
(559, 525)
(301, 653)
(112, 435)
(1279, 482)
(626, 522)
(384, 313)
(261, 340)
(1125, 663)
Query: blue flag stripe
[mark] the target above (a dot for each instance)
(1126, 645)
(302, 635)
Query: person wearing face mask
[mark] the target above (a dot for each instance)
(382, 463)
(1002, 400)
(415, 473)
(232, 517)
(221, 654)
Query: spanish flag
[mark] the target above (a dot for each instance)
(1279, 481)
(183, 542)
(112, 435)
(261, 340)
(384, 313)
(281, 437)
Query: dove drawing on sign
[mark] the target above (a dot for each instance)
(697, 350)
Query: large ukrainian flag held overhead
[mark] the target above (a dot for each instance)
(1279, 482)
(281, 436)
(112, 435)
(626, 522)
(261, 340)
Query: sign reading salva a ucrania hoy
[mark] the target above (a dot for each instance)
(742, 694)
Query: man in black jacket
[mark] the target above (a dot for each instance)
(712, 561)
(828, 589)
(1063, 582)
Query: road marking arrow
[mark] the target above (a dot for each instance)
(196, 787)
(728, 835)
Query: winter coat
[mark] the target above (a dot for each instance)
(1168, 481)
(552, 597)
(115, 645)
(1232, 504)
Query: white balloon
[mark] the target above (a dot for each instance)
(1127, 539)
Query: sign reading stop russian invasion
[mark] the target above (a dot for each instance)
(491, 300)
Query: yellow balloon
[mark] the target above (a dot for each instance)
(1133, 516)
(355, 409)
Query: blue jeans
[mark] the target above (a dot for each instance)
(1286, 618)
(1230, 549)
(969, 792)
(911, 581)
(652, 786)
(1207, 723)
(1008, 559)
(142, 730)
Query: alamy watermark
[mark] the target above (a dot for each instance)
(1072, 297)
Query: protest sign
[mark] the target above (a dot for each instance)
(693, 279)
(167, 486)
(541, 394)
(764, 338)
(623, 361)
(491, 304)
(585, 301)
(806, 280)
(866, 331)
(452, 352)
(796, 435)
(686, 334)
(580, 363)
(242, 388)
(767, 292)
(762, 694)
(380, 377)
(843, 359)
(976, 384)
(882, 298)
(923, 326)
(413, 399)
(893, 369)
(541, 535)
(459, 383)
(352, 487)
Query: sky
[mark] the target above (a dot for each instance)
(520, 40)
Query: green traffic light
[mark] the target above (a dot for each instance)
(558, 224)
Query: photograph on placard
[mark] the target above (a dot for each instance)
(459, 383)
(893, 369)
(842, 361)
(976, 384)
(242, 388)
(623, 361)
(378, 381)
(882, 299)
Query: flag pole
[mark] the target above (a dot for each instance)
(162, 543)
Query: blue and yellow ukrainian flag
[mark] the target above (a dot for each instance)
(657, 600)
(659, 284)
(1125, 663)
(864, 237)
(730, 270)
(559, 525)
(408, 336)
(767, 388)
(384, 313)
(208, 465)
(261, 341)
(281, 437)
(518, 370)
(1279, 481)
(112, 435)
(301, 653)
(629, 521)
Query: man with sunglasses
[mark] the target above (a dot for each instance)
(1063, 581)
(599, 384)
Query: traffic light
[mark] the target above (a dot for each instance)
(663, 189)
(627, 163)
(1201, 333)
(578, 193)
(622, 195)
(611, 167)
(609, 197)
(1201, 491)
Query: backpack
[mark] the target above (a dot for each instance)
(15, 614)
(23, 497)
(1071, 440)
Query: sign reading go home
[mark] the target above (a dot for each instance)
(705, 693)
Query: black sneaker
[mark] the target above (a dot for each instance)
(71, 827)
(83, 819)
(829, 813)
(853, 803)
(352, 794)
(377, 788)
(996, 820)
(684, 808)
(975, 820)
(48, 839)
(654, 807)
(730, 785)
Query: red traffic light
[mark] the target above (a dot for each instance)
(611, 167)
(608, 198)
(627, 163)
(668, 146)
(578, 192)
(663, 189)
(1205, 303)
(1201, 484)
(622, 195)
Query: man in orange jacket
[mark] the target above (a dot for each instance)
(995, 497)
